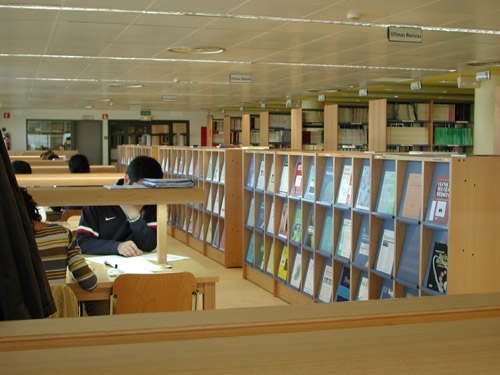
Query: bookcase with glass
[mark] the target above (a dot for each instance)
(204, 227)
(453, 125)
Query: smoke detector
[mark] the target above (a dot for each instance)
(353, 16)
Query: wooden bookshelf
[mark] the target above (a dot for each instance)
(232, 130)
(346, 128)
(126, 153)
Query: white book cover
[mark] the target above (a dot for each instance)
(251, 213)
(345, 188)
(363, 289)
(344, 249)
(261, 177)
(191, 167)
(215, 176)
(223, 172)
(209, 200)
(284, 179)
(326, 286)
(270, 183)
(270, 260)
(363, 198)
(270, 221)
(216, 202)
(296, 276)
(190, 228)
(209, 168)
(176, 165)
(223, 205)
(309, 281)
(385, 257)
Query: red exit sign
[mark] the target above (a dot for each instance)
(6, 115)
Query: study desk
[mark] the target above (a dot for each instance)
(68, 179)
(205, 281)
(65, 169)
(100, 196)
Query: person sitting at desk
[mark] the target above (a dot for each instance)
(78, 163)
(121, 230)
(21, 167)
(58, 250)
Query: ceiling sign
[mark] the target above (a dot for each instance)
(404, 34)
(240, 78)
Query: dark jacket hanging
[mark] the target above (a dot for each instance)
(24, 289)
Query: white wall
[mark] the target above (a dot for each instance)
(16, 124)
(484, 113)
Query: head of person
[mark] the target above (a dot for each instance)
(21, 167)
(79, 164)
(30, 205)
(142, 167)
(49, 155)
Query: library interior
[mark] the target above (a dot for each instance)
(354, 145)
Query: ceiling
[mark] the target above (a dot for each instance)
(75, 54)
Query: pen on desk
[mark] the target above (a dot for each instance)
(109, 264)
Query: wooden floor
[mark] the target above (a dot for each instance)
(232, 291)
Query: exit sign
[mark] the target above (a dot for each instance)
(145, 113)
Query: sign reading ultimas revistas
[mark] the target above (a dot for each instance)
(404, 34)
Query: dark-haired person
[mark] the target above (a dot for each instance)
(49, 155)
(58, 250)
(21, 167)
(79, 164)
(121, 230)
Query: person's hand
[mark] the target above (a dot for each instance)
(129, 249)
(132, 212)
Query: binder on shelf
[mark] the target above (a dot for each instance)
(326, 284)
(283, 266)
(296, 189)
(385, 253)
(251, 172)
(437, 208)
(409, 262)
(309, 232)
(411, 198)
(386, 289)
(326, 238)
(309, 277)
(296, 234)
(261, 176)
(250, 250)
(363, 197)
(259, 260)
(344, 194)
(209, 168)
(283, 188)
(362, 250)
(362, 292)
(270, 260)
(309, 189)
(283, 228)
(270, 181)
(436, 275)
(270, 220)
(387, 191)
(344, 287)
(296, 276)
(260, 216)
(251, 212)
(343, 251)
(326, 193)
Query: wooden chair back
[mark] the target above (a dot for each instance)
(160, 292)
(70, 213)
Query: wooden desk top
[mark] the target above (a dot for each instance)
(100, 196)
(68, 179)
(40, 169)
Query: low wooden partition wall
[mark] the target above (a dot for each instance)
(68, 179)
(452, 334)
(65, 169)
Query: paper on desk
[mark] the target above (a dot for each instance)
(170, 257)
(128, 265)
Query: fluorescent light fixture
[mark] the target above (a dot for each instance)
(363, 92)
(417, 85)
(321, 98)
(197, 50)
(288, 103)
(483, 76)
(263, 105)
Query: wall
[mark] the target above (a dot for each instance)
(484, 112)
(16, 124)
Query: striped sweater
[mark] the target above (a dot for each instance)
(58, 251)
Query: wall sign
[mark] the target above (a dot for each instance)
(404, 34)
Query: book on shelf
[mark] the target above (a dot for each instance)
(202, 230)
(260, 215)
(437, 273)
(326, 193)
(386, 290)
(223, 206)
(270, 221)
(196, 232)
(261, 176)
(251, 172)
(387, 196)
(283, 189)
(184, 227)
(196, 172)
(362, 294)
(209, 168)
(326, 239)
(326, 285)
(190, 227)
(185, 169)
(191, 167)
(251, 213)
(222, 242)
(166, 183)
(345, 189)
(309, 190)
(309, 278)
(249, 257)
(363, 197)
(176, 165)
(223, 171)
(385, 256)
(215, 176)
(215, 240)
(344, 287)
(283, 266)
(440, 196)
(270, 183)
(208, 237)
(216, 203)
(297, 226)
(283, 228)
(259, 261)
(296, 276)
(361, 255)
(344, 242)
(297, 181)
(209, 199)
(309, 235)
(270, 260)
(413, 198)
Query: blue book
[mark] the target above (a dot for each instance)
(344, 287)
(309, 192)
(249, 258)
(326, 241)
(326, 194)
(260, 215)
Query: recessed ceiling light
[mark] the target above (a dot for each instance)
(130, 86)
(87, 107)
(106, 100)
(196, 50)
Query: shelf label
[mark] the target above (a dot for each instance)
(404, 34)
(240, 78)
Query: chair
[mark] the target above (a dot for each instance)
(160, 292)
(70, 213)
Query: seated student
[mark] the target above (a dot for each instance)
(58, 250)
(126, 229)
(21, 167)
(79, 164)
(49, 155)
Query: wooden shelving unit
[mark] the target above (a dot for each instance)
(346, 128)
